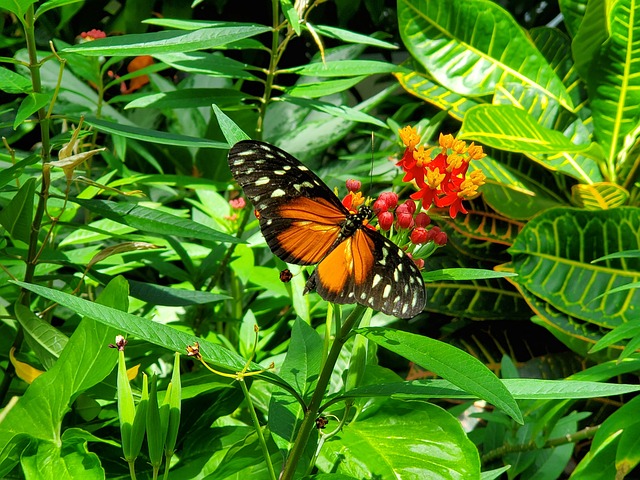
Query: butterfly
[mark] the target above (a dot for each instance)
(304, 223)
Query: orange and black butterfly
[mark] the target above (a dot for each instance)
(304, 223)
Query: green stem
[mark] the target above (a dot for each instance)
(43, 120)
(256, 424)
(309, 421)
(273, 65)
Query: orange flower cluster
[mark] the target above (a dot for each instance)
(441, 180)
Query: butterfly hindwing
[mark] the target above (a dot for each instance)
(371, 270)
(304, 223)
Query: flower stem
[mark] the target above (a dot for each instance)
(309, 421)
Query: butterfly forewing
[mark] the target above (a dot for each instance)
(299, 216)
(304, 223)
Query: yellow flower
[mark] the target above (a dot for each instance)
(409, 136)
(434, 178)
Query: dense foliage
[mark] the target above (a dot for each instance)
(499, 151)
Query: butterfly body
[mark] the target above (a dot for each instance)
(304, 223)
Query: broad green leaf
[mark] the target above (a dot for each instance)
(622, 332)
(485, 299)
(599, 196)
(71, 459)
(10, 173)
(166, 41)
(189, 98)
(403, 440)
(207, 64)
(153, 221)
(346, 68)
(51, 4)
(424, 87)
(300, 368)
(11, 82)
(85, 361)
(552, 256)
(348, 36)
(321, 89)
(30, 105)
(449, 362)
(153, 136)
(16, 217)
(340, 111)
(613, 79)
(510, 128)
(471, 47)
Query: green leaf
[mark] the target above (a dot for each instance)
(340, 111)
(352, 37)
(156, 333)
(16, 217)
(471, 47)
(403, 440)
(510, 128)
(19, 7)
(85, 361)
(321, 89)
(426, 88)
(290, 13)
(166, 41)
(11, 82)
(463, 274)
(153, 136)
(30, 105)
(447, 361)
(43, 338)
(553, 253)
(173, 297)
(300, 368)
(346, 68)
(211, 64)
(51, 4)
(231, 131)
(520, 389)
(189, 98)
(70, 459)
(613, 80)
(153, 221)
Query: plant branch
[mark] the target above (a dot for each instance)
(309, 421)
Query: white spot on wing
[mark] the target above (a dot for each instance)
(376, 280)
(278, 192)
(262, 181)
(386, 291)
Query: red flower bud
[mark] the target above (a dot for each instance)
(405, 219)
(385, 220)
(379, 206)
(440, 239)
(237, 203)
(353, 185)
(402, 208)
(390, 198)
(418, 235)
(432, 232)
(419, 262)
(422, 220)
(411, 205)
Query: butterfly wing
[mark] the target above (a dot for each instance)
(300, 217)
(369, 269)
